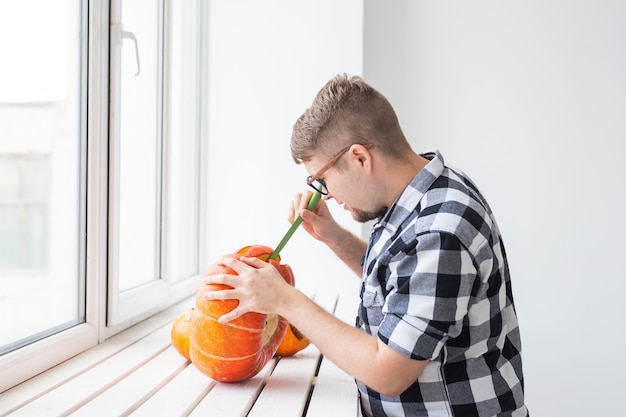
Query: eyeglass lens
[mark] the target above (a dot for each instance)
(318, 185)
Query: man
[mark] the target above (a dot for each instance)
(437, 331)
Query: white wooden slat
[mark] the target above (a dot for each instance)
(179, 396)
(71, 395)
(64, 372)
(347, 307)
(145, 378)
(287, 391)
(133, 390)
(326, 299)
(334, 393)
(233, 399)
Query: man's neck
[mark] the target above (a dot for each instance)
(401, 174)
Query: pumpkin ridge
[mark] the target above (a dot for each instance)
(235, 326)
(225, 358)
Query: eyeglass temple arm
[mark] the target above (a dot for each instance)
(315, 198)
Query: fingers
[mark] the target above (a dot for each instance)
(304, 201)
(299, 203)
(296, 206)
(241, 286)
(220, 294)
(224, 295)
(228, 317)
(243, 264)
(254, 262)
(223, 279)
(227, 294)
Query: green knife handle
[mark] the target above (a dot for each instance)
(315, 198)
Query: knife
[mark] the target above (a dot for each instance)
(315, 198)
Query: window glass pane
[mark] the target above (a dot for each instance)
(9, 179)
(40, 169)
(140, 143)
(183, 152)
(10, 239)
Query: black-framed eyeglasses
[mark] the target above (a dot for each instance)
(317, 183)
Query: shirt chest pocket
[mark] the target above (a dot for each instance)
(372, 298)
(372, 302)
(371, 291)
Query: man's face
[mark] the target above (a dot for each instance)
(349, 187)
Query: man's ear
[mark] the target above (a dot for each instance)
(361, 154)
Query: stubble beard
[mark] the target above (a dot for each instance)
(363, 216)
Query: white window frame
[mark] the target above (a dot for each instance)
(28, 361)
(23, 363)
(128, 307)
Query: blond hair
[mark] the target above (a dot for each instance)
(345, 111)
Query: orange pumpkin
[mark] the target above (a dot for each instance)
(180, 332)
(237, 350)
(292, 343)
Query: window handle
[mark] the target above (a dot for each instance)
(130, 35)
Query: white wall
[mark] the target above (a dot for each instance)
(529, 98)
(267, 60)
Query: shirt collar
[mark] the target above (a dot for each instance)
(410, 197)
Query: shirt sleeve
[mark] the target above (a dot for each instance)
(430, 286)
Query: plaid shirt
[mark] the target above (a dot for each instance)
(436, 287)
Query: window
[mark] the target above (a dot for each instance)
(100, 171)
(154, 232)
(41, 160)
